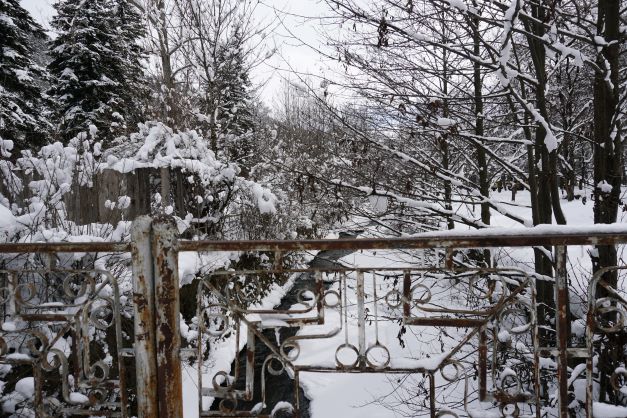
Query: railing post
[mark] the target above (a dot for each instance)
(167, 308)
(361, 318)
(562, 328)
(144, 318)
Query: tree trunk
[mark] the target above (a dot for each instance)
(608, 148)
(482, 161)
(607, 171)
(448, 189)
(546, 200)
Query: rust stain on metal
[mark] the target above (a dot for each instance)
(432, 241)
(167, 308)
(144, 319)
(563, 328)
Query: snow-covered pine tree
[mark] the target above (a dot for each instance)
(234, 118)
(96, 65)
(22, 105)
(132, 30)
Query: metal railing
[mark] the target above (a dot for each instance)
(50, 315)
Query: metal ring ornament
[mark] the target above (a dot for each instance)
(207, 316)
(459, 370)
(37, 337)
(424, 300)
(98, 316)
(510, 377)
(31, 291)
(97, 395)
(53, 359)
(293, 354)
(396, 304)
(328, 304)
(309, 302)
(373, 364)
(226, 377)
(604, 306)
(223, 406)
(83, 289)
(512, 310)
(474, 291)
(509, 410)
(350, 347)
(98, 372)
(274, 371)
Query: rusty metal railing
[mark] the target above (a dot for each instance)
(45, 306)
(409, 300)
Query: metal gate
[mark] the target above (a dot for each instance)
(52, 312)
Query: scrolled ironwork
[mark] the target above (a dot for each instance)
(209, 318)
(294, 349)
(78, 285)
(50, 319)
(609, 314)
(411, 299)
(516, 310)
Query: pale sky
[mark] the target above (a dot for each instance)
(293, 17)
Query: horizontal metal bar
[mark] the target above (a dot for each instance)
(361, 369)
(234, 414)
(445, 322)
(441, 240)
(574, 352)
(494, 237)
(66, 247)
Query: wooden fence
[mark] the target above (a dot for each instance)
(100, 203)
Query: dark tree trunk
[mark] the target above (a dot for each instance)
(482, 161)
(547, 199)
(608, 148)
(607, 171)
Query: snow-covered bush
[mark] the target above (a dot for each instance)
(212, 190)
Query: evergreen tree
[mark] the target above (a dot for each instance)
(132, 29)
(22, 106)
(97, 67)
(235, 118)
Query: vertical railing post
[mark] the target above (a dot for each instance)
(483, 364)
(361, 318)
(144, 318)
(562, 328)
(167, 308)
(432, 407)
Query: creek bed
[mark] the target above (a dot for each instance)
(281, 388)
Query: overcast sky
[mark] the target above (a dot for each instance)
(294, 17)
